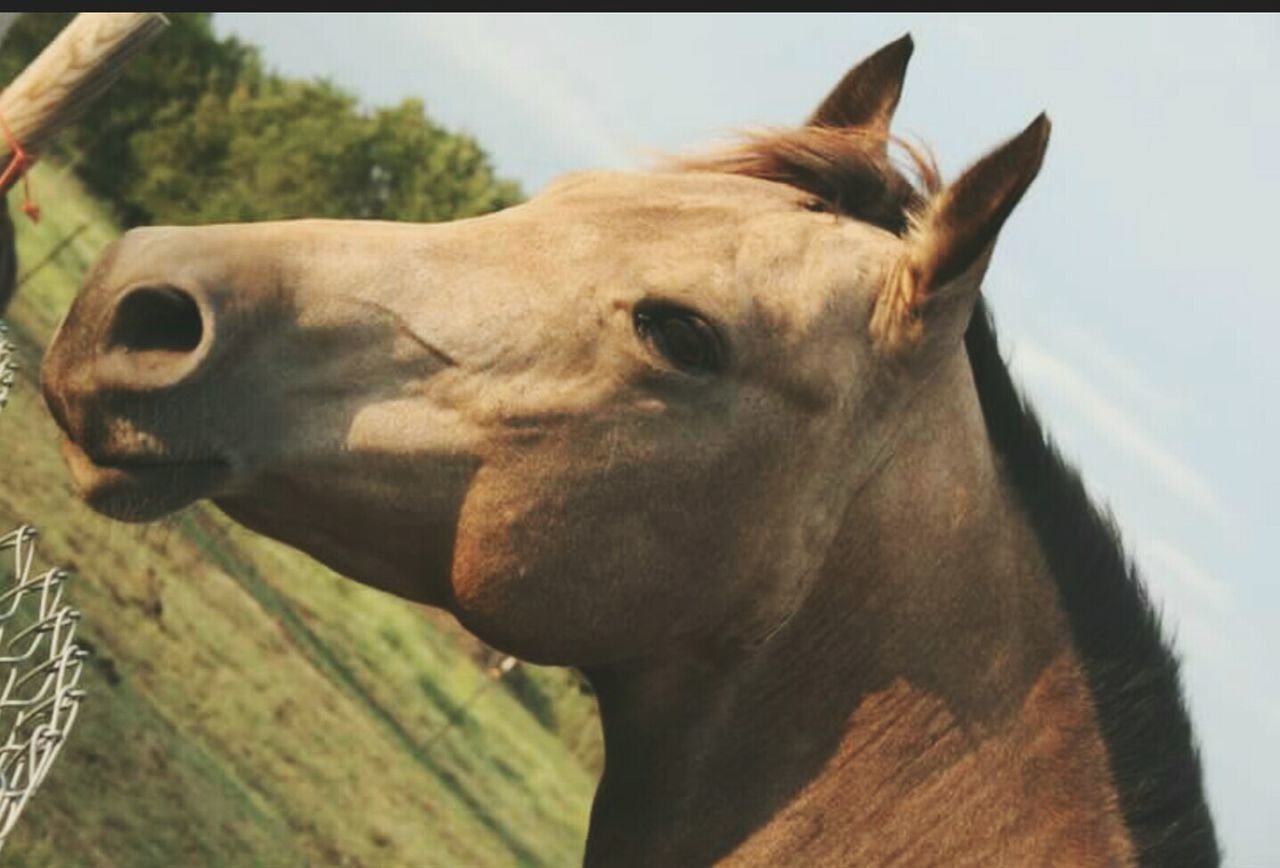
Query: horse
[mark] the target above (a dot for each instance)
(735, 438)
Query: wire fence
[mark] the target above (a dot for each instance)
(8, 366)
(40, 663)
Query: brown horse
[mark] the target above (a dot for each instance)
(736, 439)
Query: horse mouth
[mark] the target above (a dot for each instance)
(138, 488)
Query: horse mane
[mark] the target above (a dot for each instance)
(1132, 672)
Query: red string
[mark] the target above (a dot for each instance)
(17, 168)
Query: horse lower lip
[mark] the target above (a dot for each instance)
(138, 465)
(141, 464)
(142, 488)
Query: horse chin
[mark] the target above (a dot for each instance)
(141, 488)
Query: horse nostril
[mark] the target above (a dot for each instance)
(156, 319)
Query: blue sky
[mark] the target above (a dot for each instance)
(1134, 286)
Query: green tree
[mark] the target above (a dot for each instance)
(197, 131)
(269, 150)
(278, 148)
(417, 171)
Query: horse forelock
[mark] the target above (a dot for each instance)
(849, 170)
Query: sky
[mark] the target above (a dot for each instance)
(1134, 286)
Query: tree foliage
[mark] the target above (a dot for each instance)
(197, 130)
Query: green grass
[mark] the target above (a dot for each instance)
(247, 706)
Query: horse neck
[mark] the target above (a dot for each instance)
(925, 702)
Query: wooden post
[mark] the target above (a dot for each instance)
(82, 62)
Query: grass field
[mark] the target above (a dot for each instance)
(247, 706)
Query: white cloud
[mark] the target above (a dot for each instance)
(1197, 607)
(515, 69)
(1119, 427)
(1171, 561)
(1124, 373)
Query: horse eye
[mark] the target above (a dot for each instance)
(680, 335)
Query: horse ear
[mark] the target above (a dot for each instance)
(868, 93)
(932, 293)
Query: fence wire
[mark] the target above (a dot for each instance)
(8, 367)
(40, 663)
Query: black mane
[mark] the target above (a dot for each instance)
(1131, 671)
